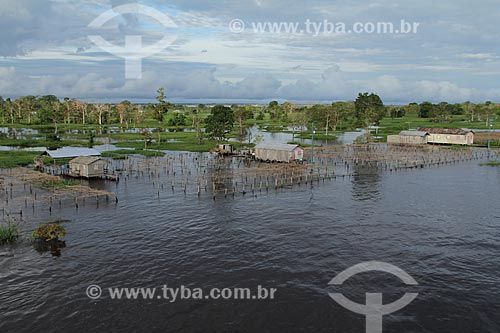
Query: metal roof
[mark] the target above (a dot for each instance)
(276, 146)
(445, 131)
(413, 133)
(68, 152)
(86, 160)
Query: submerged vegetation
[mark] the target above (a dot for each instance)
(491, 163)
(124, 153)
(46, 238)
(9, 231)
(49, 232)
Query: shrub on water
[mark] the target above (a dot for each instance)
(9, 232)
(49, 232)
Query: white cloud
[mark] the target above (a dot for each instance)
(451, 51)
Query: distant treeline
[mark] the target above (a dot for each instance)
(367, 110)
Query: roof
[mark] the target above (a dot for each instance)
(86, 160)
(276, 146)
(413, 133)
(68, 152)
(445, 131)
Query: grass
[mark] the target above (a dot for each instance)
(9, 233)
(42, 143)
(123, 153)
(56, 184)
(317, 136)
(12, 159)
(19, 158)
(491, 163)
(303, 145)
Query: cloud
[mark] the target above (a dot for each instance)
(203, 84)
(453, 57)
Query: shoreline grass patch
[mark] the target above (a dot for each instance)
(9, 232)
(122, 154)
(491, 163)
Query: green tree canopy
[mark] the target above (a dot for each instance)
(369, 110)
(219, 122)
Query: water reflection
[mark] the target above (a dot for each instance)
(52, 246)
(366, 180)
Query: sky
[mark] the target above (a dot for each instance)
(453, 56)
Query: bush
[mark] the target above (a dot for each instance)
(8, 233)
(49, 232)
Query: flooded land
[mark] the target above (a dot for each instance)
(198, 219)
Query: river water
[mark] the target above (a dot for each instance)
(439, 224)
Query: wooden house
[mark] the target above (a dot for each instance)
(449, 136)
(225, 149)
(409, 138)
(276, 152)
(87, 167)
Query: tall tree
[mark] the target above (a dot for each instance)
(241, 114)
(2, 109)
(10, 107)
(124, 110)
(161, 108)
(219, 122)
(197, 125)
(426, 110)
(369, 110)
(102, 110)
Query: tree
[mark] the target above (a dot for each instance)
(288, 107)
(241, 114)
(397, 112)
(318, 114)
(426, 109)
(198, 125)
(124, 110)
(177, 120)
(273, 105)
(102, 110)
(338, 112)
(219, 122)
(369, 110)
(48, 109)
(2, 109)
(487, 110)
(161, 108)
(469, 110)
(10, 106)
(276, 112)
(442, 112)
(26, 108)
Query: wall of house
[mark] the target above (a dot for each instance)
(407, 139)
(95, 169)
(452, 139)
(298, 154)
(273, 155)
